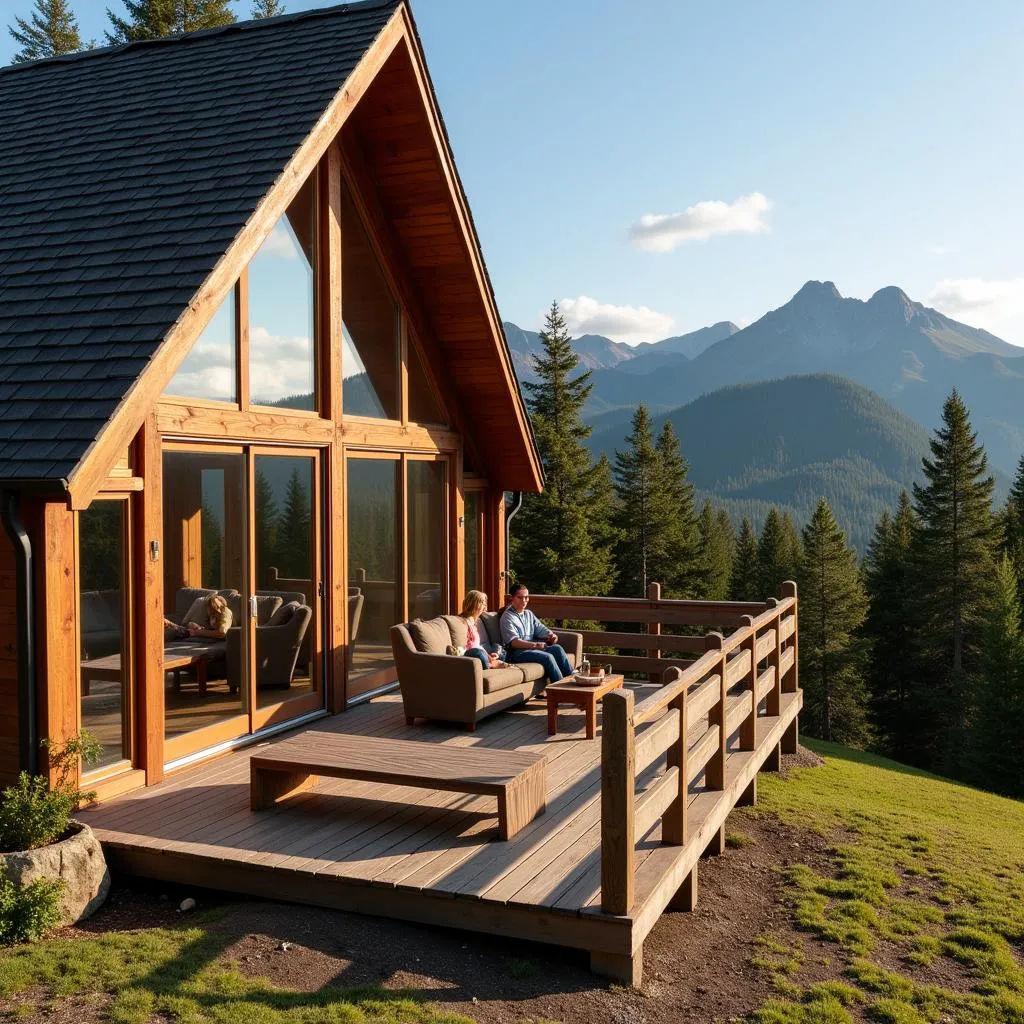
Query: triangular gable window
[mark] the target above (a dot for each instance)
(423, 404)
(209, 369)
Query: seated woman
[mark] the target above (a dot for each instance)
(218, 622)
(473, 607)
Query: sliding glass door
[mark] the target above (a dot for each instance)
(242, 592)
(397, 530)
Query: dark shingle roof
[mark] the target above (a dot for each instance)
(125, 174)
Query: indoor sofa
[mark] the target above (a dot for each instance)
(454, 688)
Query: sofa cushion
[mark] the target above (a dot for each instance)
(197, 612)
(284, 614)
(502, 678)
(430, 636)
(184, 598)
(265, 608)
(458, 628)
(531, 670)
(491, 625)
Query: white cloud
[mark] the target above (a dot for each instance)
(663, 232)
(280, 243)
(940, 249)
(631, 324)
(987, 304)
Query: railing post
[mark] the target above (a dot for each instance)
(772, 704)
(654, 629)
(791, 737)
(748, 728)
(618, 803)
(714, 773)
(674, 820)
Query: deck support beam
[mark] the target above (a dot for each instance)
(791, 737)
(624, 968)
(716, 846)
(748, 798)
(685, 899)
(773, 762)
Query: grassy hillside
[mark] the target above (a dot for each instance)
(788, 442)
(923, 903)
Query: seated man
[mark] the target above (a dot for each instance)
(526, 638)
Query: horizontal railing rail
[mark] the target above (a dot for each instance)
(689, 720)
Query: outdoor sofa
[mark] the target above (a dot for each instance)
(454, 688)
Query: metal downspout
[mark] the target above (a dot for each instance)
(517, 504)
(28, 740)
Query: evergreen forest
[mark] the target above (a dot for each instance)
(914, 650)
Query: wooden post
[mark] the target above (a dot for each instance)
(686, 898)
(716, 847)
(654, 629)
(773, 762)
(792, 681)
(748, 728)
(674, 820)
(791, 737)
(772, 703)
(749, 796)
(618, 803)
(714, 773)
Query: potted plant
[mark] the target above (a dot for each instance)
(52, 869)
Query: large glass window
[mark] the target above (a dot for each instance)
(282, 354)
(427, 538)
(423, 404)
(286, 562)
(209, 369)
(370, 327)
(105, 668)
(471, 536)
(373, 552)
(205, 545)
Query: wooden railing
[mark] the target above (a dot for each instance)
(702, 703)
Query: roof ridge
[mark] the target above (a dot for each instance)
(204, 33)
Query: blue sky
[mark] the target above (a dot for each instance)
(766, 144)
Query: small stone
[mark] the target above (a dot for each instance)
(284, 946)
(186, 905)
(475, 1000)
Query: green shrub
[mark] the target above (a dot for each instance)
(27, 913)
(32, 812)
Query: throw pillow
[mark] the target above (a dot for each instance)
(430, 636)
(456, 650)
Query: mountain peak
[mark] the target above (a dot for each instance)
(893, 301)
(817, 291)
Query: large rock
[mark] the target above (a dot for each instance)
(77, 859)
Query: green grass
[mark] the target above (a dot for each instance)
(179, 975)
(930, 867)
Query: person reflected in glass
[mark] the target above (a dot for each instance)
(489, 655)
(527, 639)
(216, 626)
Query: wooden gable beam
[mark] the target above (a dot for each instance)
(94, 467)
(468, 234)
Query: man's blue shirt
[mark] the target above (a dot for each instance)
(522, 625)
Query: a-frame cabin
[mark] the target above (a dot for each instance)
(248, 345)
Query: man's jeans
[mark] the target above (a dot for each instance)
(553, 658)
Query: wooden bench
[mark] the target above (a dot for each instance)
(518, 780)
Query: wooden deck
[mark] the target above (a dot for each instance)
(432, 856)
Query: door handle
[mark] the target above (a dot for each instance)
(252, 607)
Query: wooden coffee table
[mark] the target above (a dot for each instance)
(585, 697)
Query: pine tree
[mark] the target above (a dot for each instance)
(832, 653)
(294, 531)
(717, 543)
(642, 514)
(556, 529)
(266, 518)
(745, 573)
(51, 30)
(679, 570)
(778, 557)
(267, 9)
(1013, 528)
(153, 19)
(997, 754)
(952, 580)
(893, 669)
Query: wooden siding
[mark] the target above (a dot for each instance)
(8, 663)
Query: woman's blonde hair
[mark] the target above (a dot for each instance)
(474, 603)
(215, 605)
